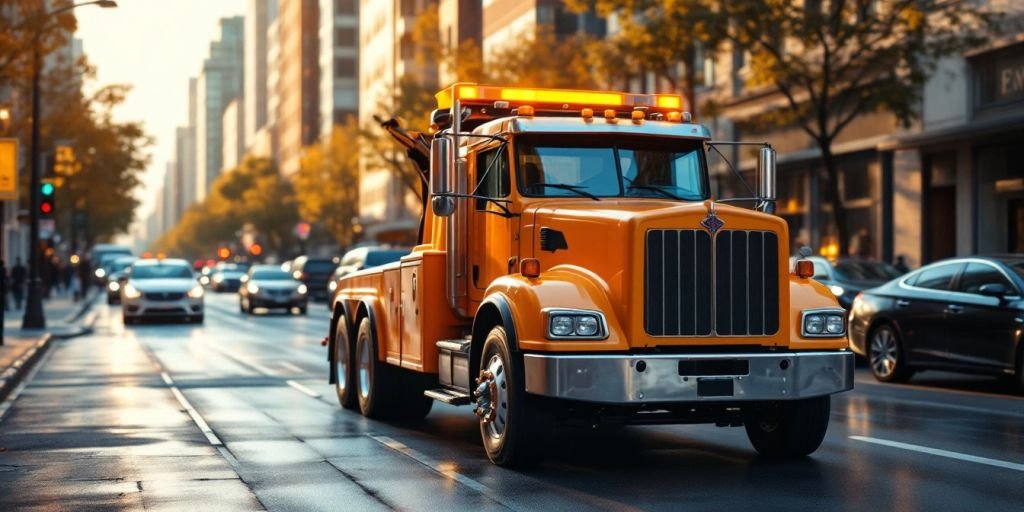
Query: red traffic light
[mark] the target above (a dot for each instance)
(46, 207)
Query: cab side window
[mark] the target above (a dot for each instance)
(977, 275)
(492, 175)
(938, 278)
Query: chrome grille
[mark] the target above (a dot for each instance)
(696, 285)
(161, 296)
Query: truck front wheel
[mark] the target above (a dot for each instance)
(513, 424)
(789, 429)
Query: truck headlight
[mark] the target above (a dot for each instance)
(824, 323)
(131, 292)
(838, 291)
(575, 324)
(196, 292)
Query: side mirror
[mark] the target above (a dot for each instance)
(996, 290)
(766, 177)
(441, 163)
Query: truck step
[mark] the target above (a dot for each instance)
(449, 396)
(459, 345)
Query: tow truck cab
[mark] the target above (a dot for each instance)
(573, 268)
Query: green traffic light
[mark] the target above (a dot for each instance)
(47, 189)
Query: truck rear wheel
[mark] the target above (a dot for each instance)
(345, 380)
(513, 424)
(378, 395)
(789, 429)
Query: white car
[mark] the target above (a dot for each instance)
(161, 288)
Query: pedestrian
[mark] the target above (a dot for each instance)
(901, 264)
(75, 287)
(18, 276)
(67, 273)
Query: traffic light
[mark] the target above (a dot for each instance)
(223, 253)
(47, 193)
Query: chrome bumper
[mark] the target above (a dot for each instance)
(636, 379)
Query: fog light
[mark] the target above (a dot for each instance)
(586, 325)
(561, 325)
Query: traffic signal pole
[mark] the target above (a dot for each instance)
(34, 317)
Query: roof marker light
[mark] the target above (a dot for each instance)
(609, 115)
(526, 111)
(675, 117)
(638, 116)
(588, 114)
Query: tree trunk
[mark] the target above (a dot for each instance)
(833, 197)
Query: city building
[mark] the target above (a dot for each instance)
(184, 170)
(458, 21)
(219, 82)
(232, 135)
(505, 22)
(258, 16)
(339, 62)
(388, 210)
(265, 140)
(298, 81)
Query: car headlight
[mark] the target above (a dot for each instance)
(113, 286)
(204, 280)
(100, 273)
(218, 278)
(838, 291)
(252, 288)
(333, 285)
(131, 292)
(302, 289)
(824, 323)
(573, 324)
(196, 292)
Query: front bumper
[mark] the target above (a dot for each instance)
(662, 378)
(139, 308)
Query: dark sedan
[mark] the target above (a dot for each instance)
(267, 286)
(962, 314)
(849, 276)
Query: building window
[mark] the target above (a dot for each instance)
(345, 36)
(344, 67)
(344, 6)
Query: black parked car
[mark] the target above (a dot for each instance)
(227, 277)
(849, 276)
(962, 314)
(315, 273)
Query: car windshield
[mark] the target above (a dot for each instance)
(271, 274)
(377, 258)
(640, 167)
(866, 271)
(119, 265)
(161, 272)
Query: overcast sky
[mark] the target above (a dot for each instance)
(154, 45)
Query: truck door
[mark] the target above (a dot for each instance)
(493, 241)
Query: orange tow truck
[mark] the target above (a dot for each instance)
(573, 268)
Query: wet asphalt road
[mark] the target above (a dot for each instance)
(237, 415)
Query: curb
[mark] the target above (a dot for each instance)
(13, 375)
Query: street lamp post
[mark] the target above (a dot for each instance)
(34, 317)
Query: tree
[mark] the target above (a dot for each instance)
(663, 37)
(836, 64)
(327, 185)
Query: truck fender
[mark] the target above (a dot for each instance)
(493, 311)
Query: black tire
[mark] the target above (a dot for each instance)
(126, 321)
(250, 307)
(515, 437)
(789, 429)
(303, 311)
(1020, 373)
(344, 384)
(111, 301)
(377, 394)
(198, 319)
(886, 356)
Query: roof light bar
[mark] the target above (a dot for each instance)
(472, 93)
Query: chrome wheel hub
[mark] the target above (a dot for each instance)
(491, 396)
(364, 370)
(342, 367)
(883, 353)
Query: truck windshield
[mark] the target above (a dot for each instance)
(584, 167)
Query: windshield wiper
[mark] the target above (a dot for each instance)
(572, 188)
(659, 190)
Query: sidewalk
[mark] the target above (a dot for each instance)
(23, 347)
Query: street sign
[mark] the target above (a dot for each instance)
(8, 169)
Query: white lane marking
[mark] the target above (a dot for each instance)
(292, 367)
(446, 470)
(204, 427)
(166, 378)
(941, 453)
(9, 401)
(303, 389)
